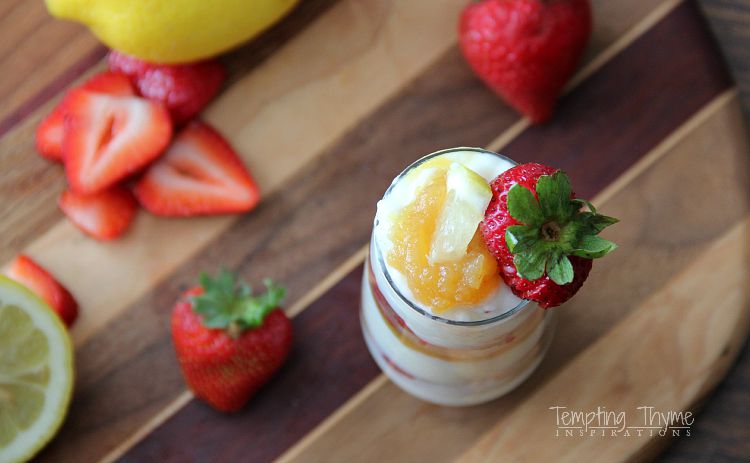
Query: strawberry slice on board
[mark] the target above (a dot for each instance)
(200, 174)
(185, 89)
(49, 133)
(26, 271)
(108, 138)
(105, 215)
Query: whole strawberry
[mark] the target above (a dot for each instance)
(229, 343)
(185, 89)
(544, 242)
(525, 50)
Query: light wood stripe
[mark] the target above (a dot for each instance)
(36, 51)
(150, 425)
(708, 114)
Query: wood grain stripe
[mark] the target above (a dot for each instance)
(35, 51)
(603, 91)
(52, 89)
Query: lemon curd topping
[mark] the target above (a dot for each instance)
(441, 284)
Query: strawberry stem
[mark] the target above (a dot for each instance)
(553, 228)
(230, 305)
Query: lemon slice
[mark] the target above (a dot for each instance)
(36, 372)
(467, 197)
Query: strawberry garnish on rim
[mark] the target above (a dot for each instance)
(199, 174)
(49, 133)
(104, 215)
(110, 137)
(26, 271)
(229, 342)
(541, 235)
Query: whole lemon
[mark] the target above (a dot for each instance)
(172, 31)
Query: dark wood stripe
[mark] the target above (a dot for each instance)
(644, 94)
(52, 89)
(328, 212)
(7, 7)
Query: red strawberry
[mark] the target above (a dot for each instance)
(525, 50)
(49, 134)
(199, 174)
(183, 88)
(127, 64)
(30, 274)
(541, 238)
(228, 342)
(109, 137)
(104, 215)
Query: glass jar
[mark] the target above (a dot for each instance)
(442, 360)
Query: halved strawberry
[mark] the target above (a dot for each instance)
(104, 215)
(183, 88)
(49, 134)
(32, 275)
(109, 137)
(199, 174)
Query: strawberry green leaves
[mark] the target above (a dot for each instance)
(229, 304)
(523, 206)
(554, 227)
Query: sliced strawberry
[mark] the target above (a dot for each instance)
(183, 88)
(104, 215)
(49, 134)
(109, 83)
(199, 174)
(32, 275)
(110, 137)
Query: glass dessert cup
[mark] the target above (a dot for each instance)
(444, 359)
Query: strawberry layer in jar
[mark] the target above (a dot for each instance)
(436, 316)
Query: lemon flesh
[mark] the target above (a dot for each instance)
(36, 372)
(466, 201)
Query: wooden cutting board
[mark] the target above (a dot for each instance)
(326, 108)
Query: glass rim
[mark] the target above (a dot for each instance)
(374, 242)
